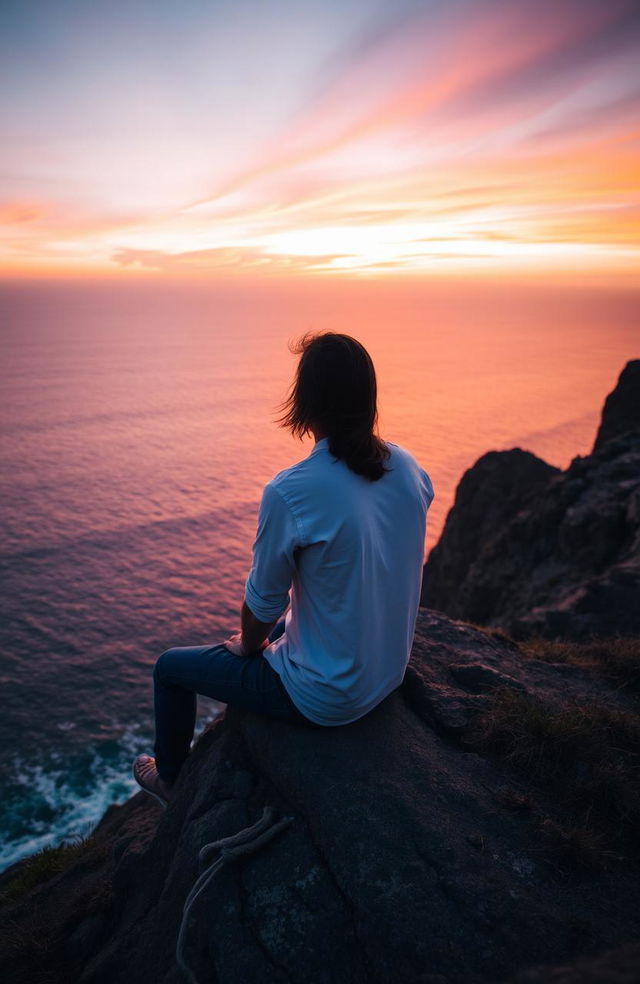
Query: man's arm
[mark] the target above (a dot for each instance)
(269, 580)
(253, 636)
(254, 632)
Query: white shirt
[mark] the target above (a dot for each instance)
(351, 551)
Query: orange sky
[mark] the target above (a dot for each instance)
(470, 137)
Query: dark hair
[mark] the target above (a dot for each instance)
(335, 389)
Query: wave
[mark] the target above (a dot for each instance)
(52, 802)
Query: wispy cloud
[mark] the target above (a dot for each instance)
(220, 258)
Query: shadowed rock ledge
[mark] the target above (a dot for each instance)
(544, 552)
(413, 856)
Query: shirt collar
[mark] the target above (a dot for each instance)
(319, 445)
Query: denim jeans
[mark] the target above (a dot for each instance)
(185, 671)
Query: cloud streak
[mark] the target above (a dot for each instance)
(508, 130)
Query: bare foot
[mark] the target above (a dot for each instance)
(146, 775)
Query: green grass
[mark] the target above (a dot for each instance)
(617, 657)
(586, 754)
(45, 864)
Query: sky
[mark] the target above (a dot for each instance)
(313, 138)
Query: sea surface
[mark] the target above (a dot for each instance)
(137, 433)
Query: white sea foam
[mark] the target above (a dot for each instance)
(75, 813)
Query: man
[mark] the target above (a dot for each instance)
(342, 530)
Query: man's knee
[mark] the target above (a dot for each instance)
(164, 663)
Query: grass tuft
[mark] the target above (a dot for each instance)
(617, 657)
(586, 754)
(45, 864)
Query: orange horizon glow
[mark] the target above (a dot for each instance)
(472, 140)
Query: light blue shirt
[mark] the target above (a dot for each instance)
(351, 553)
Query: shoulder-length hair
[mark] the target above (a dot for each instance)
(335, 390)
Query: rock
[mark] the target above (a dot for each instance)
(621, 411)
(480, 678)
(499, 484)
(541, 552)
(447, 711)
(410, 857)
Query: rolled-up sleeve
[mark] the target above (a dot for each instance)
(427, 487)
(277, 538)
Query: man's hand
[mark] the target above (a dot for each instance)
(257, 632)
(235, 646)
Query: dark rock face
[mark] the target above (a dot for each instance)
(401, 862)
(621, 412)
(539, 551)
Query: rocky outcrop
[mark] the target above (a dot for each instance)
(409, 856)
(544, 552)
(621, 411)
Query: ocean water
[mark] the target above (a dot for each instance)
(137, 433)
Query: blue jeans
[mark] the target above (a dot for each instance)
(185, 671)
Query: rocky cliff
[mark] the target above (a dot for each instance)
(544, 552)
(480, 825)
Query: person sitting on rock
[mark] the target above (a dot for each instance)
(331, 599)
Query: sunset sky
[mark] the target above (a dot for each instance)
(313, 137)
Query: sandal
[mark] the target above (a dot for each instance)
(146, 775)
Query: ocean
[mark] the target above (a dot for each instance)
(137, 434)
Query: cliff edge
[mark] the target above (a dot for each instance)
(477, 826)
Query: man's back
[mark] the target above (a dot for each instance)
(352, 551)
